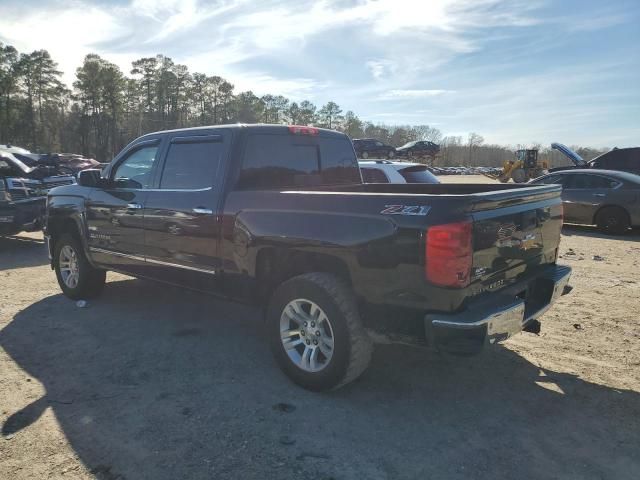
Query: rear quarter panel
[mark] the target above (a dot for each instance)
(384, 253)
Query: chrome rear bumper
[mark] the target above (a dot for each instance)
(501, 315)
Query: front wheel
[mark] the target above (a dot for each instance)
(519, 175)
(391, 154)
(364, 155)
(76, 277)
(316, 333)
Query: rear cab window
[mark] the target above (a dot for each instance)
(273, 160)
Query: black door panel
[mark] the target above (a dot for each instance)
(115, 214)
(181, 216)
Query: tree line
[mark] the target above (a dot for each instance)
(105, 109)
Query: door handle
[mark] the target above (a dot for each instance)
(133, 206)
(598, 195)
(202, 211)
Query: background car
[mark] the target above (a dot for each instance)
(372, 148)
(606, 198)
(384, 171)
(620, 159)
(419, 148)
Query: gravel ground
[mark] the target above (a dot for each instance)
(150, 382)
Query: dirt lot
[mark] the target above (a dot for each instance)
(149, 382)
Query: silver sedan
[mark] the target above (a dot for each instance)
(606, 198)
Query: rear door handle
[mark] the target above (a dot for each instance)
(133, 206)
(202, 211)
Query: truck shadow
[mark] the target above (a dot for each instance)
(152, 382)
(22, 252)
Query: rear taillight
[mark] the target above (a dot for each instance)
(302, 130)
(449, 254)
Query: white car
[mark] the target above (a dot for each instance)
(386, 171)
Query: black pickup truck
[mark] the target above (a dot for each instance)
(279, 215)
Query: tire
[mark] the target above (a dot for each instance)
(613, 220)
(351, 346)
(391, 154)
(89, 281)
(365, 155)
(519, 175)
(410, 154)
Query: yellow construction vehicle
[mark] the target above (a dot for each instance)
(522, 169)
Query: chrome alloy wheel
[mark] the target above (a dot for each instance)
(69, 268)
(306, 335)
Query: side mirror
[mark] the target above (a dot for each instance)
(89, 178)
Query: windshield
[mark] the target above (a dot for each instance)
(410, 144)
(31, 160)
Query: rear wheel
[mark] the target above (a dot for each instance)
(614, 220)
(391, 154)
(316, 333)
(365, 155)
(519, 175)
(76, 277)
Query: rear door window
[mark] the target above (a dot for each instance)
(583, 181)
(192, 162)
(274, 161)
(551, 179)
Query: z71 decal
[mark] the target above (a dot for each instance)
(405, 210)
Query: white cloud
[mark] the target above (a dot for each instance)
(391, 59)
(231, 31)
(593, 23)
(381, 68)
(413, 93)
(295, 89)
(66, 34)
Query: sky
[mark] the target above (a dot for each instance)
(514, 71)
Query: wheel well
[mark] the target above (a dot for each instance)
(618, 207)
(58, 227)
(275, 266)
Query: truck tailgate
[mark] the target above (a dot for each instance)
(515, 231)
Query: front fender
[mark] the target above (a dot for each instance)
(66, 213)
